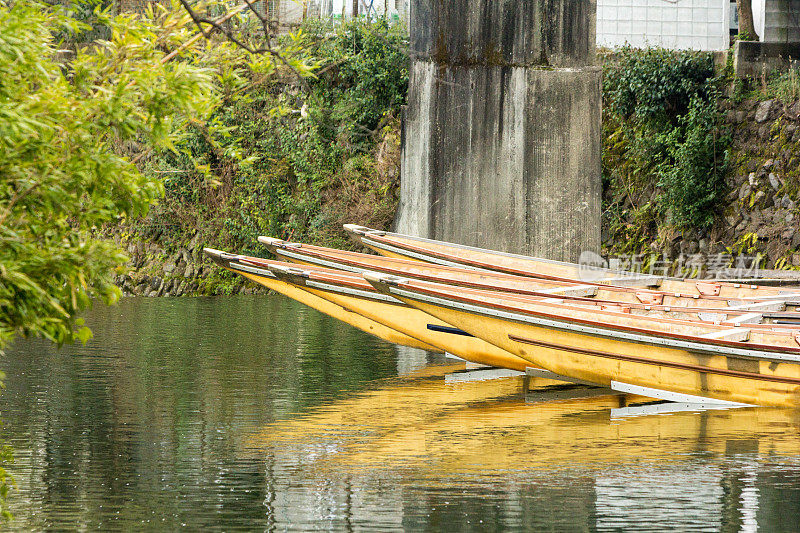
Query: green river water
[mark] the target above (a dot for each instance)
(256, 413)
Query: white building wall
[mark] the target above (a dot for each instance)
(377, 7)
(758, 17)
(290, 12)
(678, 24)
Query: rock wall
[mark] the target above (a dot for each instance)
(758, 217)
(501, 142)
(765, 181)
(159, 270)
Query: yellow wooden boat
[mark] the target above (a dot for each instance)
(351, 299)
(736, 364)
(636, 300)
(438, 252)
(353, 293)
(264, 277)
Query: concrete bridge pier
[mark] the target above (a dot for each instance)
(502, 130)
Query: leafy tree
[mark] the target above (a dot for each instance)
(64, 128)
(74, 123)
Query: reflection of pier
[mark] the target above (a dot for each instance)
(563, 459)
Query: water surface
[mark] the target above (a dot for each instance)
(256, 413)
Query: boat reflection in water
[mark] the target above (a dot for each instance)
(529, 451)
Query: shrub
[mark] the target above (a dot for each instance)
(284, 157)
(663, 140)
(654, 83)
(368, 74)
(693, 175)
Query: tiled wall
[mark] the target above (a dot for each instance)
(686, 24)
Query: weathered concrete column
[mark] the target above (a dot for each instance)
(781, 21)
(502, 129)
(779, 47)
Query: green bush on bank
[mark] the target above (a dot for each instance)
(655, 84)
(292, 159)
(692, 176)
(665, 148)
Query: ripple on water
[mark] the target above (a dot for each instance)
(256, 413)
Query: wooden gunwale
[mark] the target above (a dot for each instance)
(388, 241)
(359, 232)
(615, 327)
(475, 263)
(298, 253)
(356, 282)
(233, 263)
(658, 362)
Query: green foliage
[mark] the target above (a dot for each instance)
(6, 481)
(292, 159)
(61, 178)
(71, 132)
(784, 86)
(90, 13)
(747, 244)
(372, 73)
(665, 146)
(692, 176)
(655, 83)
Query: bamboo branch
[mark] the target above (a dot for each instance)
(197, 37)
(217, 24)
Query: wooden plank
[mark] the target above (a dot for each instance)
(734, 334)
(772, 305)
(481, 375)
(712, 317)
(668, 408)
(749, 318)
(579, 291)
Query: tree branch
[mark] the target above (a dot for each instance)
(200, 20)
(17, 197)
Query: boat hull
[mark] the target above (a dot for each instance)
(410, 321)
(607, 359)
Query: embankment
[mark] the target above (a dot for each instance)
(696, 167)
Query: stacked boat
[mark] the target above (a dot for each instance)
(730, 342)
